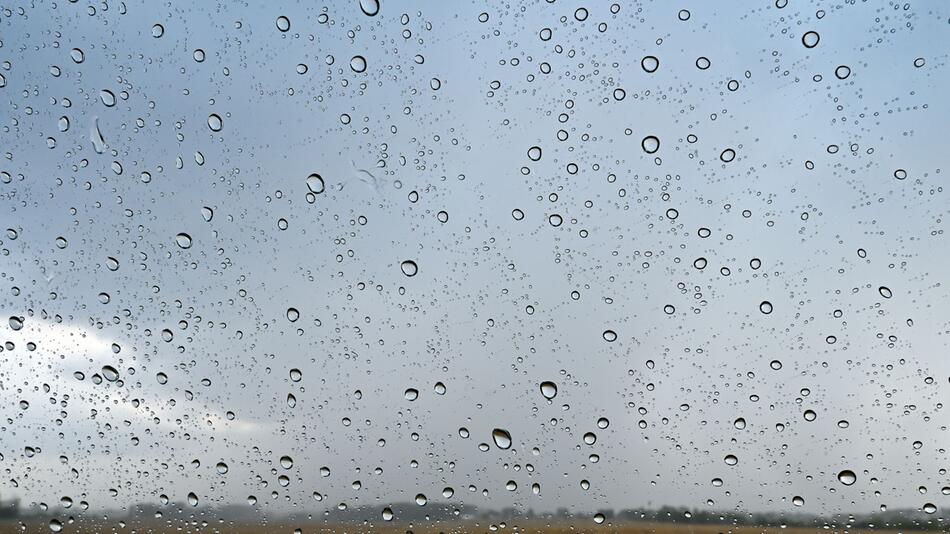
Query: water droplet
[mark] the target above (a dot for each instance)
(810, 415)
(110, 373)
(77, 55)
(387, 512)
(548, 390)
(610, 336)
(650, 63)
(55, 525)
(315, 184)
(930, 508)
(810, 39)
(421, 499)
(16, 323)
(727, 155)
(842, 72)
(502, 438)
(775, 365)
(192, 499)
(534, 153)
(198, 55)
(283, 23)
(158, 30)
(183, 240)
(765, 307)
(798, 501)
(370, 8)
(295, 375)
(221, 467)
(739, 423)
(293, 314)
(107, 98)
(847, 477)
(286, 462)
(555, 220)
(214, 122)
(358, 63)
(731, 459)
(650, 144)
(409, 268)
(885, 292)
(411, 394)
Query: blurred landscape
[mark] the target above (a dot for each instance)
(408, 517)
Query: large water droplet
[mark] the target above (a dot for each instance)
(214, 122)
(502, 438)
(548, 390)
(650, 144)
(315, 184)
(847, 477)
(650, 63)
(107, 97)
(358, 63)
(110, 373)
(409, 268)
(183, 240)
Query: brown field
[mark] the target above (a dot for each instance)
(32, 526)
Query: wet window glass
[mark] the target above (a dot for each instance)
(539, 266)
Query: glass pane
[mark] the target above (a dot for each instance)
(542, 266)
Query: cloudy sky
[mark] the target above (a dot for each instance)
(718, 241)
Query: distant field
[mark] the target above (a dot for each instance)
(527, 527)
